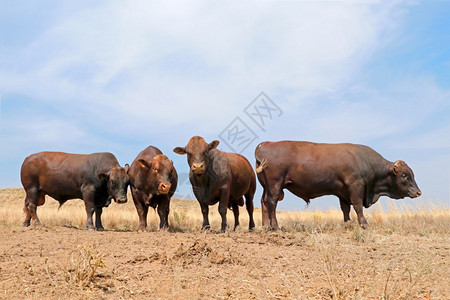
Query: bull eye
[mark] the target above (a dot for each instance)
(404, 175)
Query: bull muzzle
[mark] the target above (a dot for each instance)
(164, 188)
(416, 194)
(121, 200)
(198, 168)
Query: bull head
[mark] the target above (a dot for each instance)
(117, 183)
(404, 180)
(159, 171)
(197, 151)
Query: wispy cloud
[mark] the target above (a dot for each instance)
(144, 57)
(118, 74)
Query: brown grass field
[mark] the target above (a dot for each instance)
(403, 255)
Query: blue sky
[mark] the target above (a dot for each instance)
(118, 76)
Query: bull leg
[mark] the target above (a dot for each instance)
(272, 209)
(27, 221)
(98, 218)
(356, 198)
(167, 212)
(33, 208)
(271, 201)
(205, 213)
(235, 207)
(361, 219)
(249, 206)
(142, 211)
(265, 212)
(223, 206)
(345, 207)
(89, 203)
(30, 197)
(163, 212)
(27, 212)
(90, 209)
(141, 208)
(31, 202)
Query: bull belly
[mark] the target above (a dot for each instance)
(60, 187)
(62, 193)
(311, 192)
(213, 201)
(63, 197)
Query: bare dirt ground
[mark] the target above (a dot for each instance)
(323, 261)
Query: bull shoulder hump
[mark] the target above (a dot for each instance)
(106, 158)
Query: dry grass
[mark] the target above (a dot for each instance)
(84, 264)
(403, 255)
(185, 216)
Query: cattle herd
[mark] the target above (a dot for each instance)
(356, 174)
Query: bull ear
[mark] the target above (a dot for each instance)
(397, 167)
(213, 145)
(104, 176)
(127, 167)
(143, 164)
(179, 150)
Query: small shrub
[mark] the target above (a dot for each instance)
(84, 264)
(359, 235)
(179, 221)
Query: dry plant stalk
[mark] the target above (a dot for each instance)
(84, 264)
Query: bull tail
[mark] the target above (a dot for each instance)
(260, 163)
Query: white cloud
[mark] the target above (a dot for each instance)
(163, 71)
(195, 62)
(362, 114)
(39, 131)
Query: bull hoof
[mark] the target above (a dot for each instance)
(37, 223)
(26, 224)
(251, 229)
(100, 229)
(364, 226)
(90, 228)
(206, 227)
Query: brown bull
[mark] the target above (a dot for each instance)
(95, 178)
(153, 181)
(222, 177)
(356, 174)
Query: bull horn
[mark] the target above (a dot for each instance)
(261, 166)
